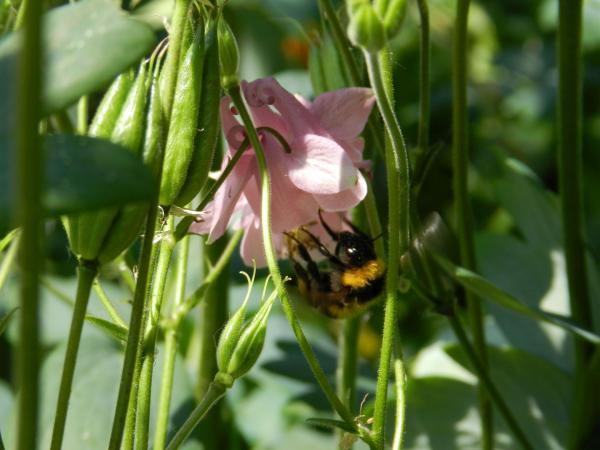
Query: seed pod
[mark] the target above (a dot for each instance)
(208, 124)
(130, 219)
(184, 117)
(128, 131)
(102, 126)
(229, 54)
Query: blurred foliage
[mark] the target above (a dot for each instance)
(512, 84)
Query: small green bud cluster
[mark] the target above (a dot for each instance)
(372, 25)
(242, 340)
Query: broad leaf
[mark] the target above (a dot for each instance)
(87, 44)
(81, 173)
(538, 393)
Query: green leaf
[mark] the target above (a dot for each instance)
(329, 424)
(538, 393)
(5, 320)
(81, 173)
(112, 329)
(7, 239)
(86, 43)
(487, 290)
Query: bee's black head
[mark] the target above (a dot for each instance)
(353, 249)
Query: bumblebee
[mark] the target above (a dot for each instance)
(355, 276)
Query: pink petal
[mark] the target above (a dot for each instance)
(344, 112)
(267, 91)
(320, 166)
(346, 199)
(290, 207)
(252, 247)
(229, 122)
(226, 198)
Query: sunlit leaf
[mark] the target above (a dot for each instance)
(112, 329)
(87, 44)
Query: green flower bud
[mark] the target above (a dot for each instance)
(240, 344)
(233, 329)
(392, 13)
(366, 28)
(229, 55)
(251, 341)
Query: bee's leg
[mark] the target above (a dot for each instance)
(330, 232)
(356, 229)
(311, 266)
(332, 258)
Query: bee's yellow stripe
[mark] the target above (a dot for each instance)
(359, 277)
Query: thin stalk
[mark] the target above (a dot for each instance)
(213, 394)
(347, 364)
(110, 309)
(86, 273)
(338, 406)
(167, 245)
(126, 276)
(213, 314)
(464, 222)
(482, 374)
(572, 214)
(8, 260)
(424, 85)
(30, 163)
(135, 328)
(170, 71)
(399, 374)
(171, 341)
(198, 295)
(398, 231)
(82, 114)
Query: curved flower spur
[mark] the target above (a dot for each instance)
(319, 168)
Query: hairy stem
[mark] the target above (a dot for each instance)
(464, 223)
(86, 273)
(424, 86)
(171, 341)
(347, 364)
(398, 231)
(213, 394)
(399, 374)
(159, 280)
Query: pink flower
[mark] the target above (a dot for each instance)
(321, 171)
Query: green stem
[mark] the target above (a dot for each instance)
(213, 315)
(30, 163)
(167, 245)
(110, 309)
(482, 374)
(572, 214)
(82, 115)
(464, 223)
(135, 329)
(400, 376)
(87, 271)
(171, 66)
(398, 231)
(126, 276)
(7, 262)
(236, 96)
(347, 365)
(424, 86)
(171, 341)
(213, 394)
